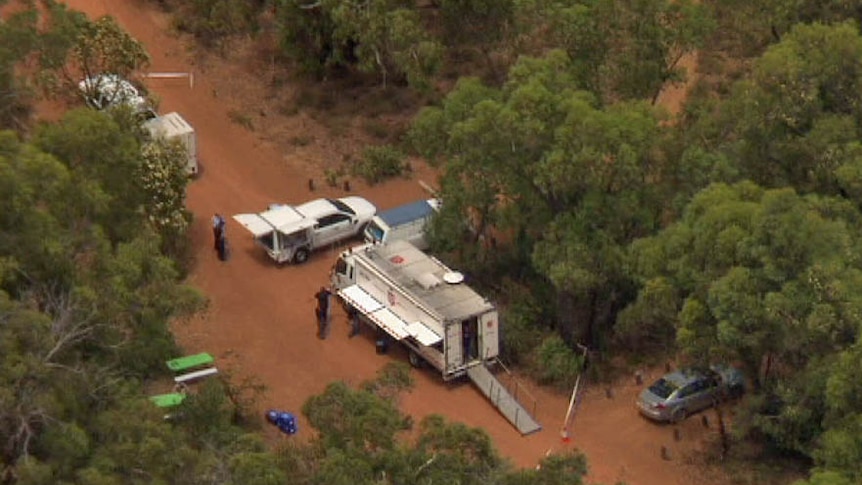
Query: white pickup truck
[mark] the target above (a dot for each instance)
(105, 91)
(289, 233)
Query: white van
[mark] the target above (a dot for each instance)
(404, 223)
(105, 91)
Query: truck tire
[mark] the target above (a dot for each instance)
(300, 256)
(414, 358)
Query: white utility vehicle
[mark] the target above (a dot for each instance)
(290, 233)
(105, 91)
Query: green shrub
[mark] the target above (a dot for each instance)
(557, 364)
(241, 119)
(379, 163)
(213, 20)
(331, 177)
(520, 333)
(377, 128)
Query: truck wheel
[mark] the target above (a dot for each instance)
(415, 359)
(300, 256)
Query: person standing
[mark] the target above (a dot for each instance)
(467, 335)
(323, 311)
(353, 315)
(218, 230)
(220, 236)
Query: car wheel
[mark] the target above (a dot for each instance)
(300, 256)
(678, 415)
(414, 358)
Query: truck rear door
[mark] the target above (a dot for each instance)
(489, 335)
(452, 347)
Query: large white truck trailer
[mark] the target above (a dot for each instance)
(416, 300)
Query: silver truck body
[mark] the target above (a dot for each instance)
(421, 303)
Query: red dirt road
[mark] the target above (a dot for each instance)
(260, 319)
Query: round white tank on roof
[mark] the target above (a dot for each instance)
(453, 277)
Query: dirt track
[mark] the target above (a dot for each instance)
(260, 320)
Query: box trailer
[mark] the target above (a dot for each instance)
(172, 126)
(413, 298)
(408, 222)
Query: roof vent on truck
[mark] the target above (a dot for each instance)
(453, 277)
(428, 280)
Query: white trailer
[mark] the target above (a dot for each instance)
(172, 126)
(415, 299)
(408, 222)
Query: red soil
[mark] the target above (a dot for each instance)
(260, 319)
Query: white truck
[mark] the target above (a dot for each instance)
(413, 298)
(290, 233)
(408, 222)
(172, 126)
(106, 91)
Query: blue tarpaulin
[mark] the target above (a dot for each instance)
(285, 421)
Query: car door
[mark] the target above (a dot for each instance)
(332, 228)
(712, 389)
(702, 394)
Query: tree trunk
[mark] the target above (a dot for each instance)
(722, 431)
(574, 317)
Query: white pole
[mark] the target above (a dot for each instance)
(173, 75)
(564, 432)
(572, 401)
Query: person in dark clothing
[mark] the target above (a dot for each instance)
(323, 311)
(222, 248)
(218, 230)
(220, 236)
(353, 315)
(467, 335)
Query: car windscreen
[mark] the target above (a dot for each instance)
(341, 206)
(662, 388)
(374, 232)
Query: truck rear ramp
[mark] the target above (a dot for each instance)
(500, 397)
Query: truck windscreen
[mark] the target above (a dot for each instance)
(373, 233)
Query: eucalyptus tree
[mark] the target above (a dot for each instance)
(796, 119)
(383, 37)
(543, 163)
(769, 279)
